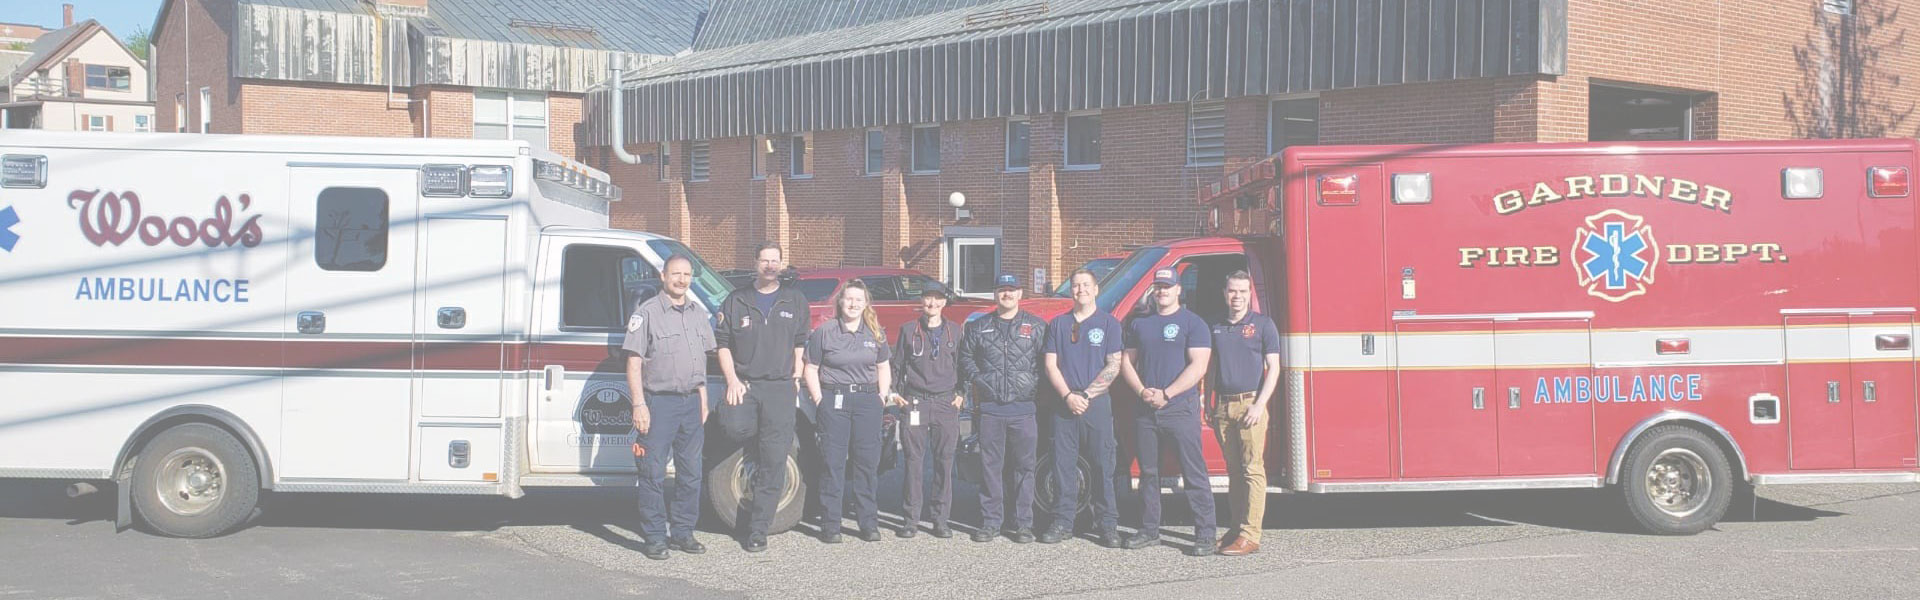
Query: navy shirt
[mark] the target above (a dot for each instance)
(1240, 352)
(1162, 342)
(1081, 361)
(764, 301)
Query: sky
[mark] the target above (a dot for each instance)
(122, 17)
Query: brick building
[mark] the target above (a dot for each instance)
(486, 69)
(1076, 127)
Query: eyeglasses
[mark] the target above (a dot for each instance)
(1076, 332)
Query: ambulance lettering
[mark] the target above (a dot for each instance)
(114, 218)
(1618, 389)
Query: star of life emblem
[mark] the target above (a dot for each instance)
(1616, 255)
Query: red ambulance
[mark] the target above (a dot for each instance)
(1674, 320)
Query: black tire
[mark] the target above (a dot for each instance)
(1663, 478)
(194, 481)
(1046, 488)
(730, 485)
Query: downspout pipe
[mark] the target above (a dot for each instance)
(618, 132)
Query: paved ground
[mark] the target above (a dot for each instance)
(1814, 542)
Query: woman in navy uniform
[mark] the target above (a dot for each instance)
(847, 374)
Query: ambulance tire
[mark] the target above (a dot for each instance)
(1047, 486)
(194, 481)
(1663, 477)
(730, 485)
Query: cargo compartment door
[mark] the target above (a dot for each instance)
(1883, 391)
(1546, 416)
(1819, 392)
(1447, 398)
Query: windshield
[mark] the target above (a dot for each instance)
(818, 290)
(708, 286)
(1119, 281)
(1099, 266)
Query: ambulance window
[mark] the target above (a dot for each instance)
(1203, 283)
(350, 229)
(594, 286)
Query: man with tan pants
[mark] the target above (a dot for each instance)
(1246, 368)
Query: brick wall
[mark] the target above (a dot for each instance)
(286, 107)
(176, 75)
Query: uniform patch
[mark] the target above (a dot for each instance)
(1247, 331)
(746, 321)
(1026, 330)
(633, 322)
(1096, 336)
(786, 315)
(870, 345)
(1172, 330)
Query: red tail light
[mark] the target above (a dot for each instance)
(1674, 346)
(1889, 182)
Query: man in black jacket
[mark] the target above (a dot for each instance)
(1000, 358)
(762, 330)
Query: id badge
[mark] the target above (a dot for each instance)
(836, 401)
(913, 418)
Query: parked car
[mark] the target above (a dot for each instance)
(1100, 266)
(895, 294)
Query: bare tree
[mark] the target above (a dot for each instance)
(1845, 90)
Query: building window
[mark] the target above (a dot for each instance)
(206, 109)
(926, 148)
(757, 151)
(698, 164)
(501, 115)
(96, 123)
(1293, 122)
(666, 159)
(103, 77)
(800, 155)
(1083, 141)
(351, 229)
(1619, 113)
(1207, 133)
(876, 151)
(180, 113)
(142, 123)
(1019, 142)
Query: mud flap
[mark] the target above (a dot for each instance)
(123, 499)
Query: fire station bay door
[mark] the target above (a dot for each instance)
(349, 324)
(1850, 386)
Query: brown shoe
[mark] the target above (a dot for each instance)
(1240, 547)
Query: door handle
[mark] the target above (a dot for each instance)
(1833, 392)
(311, 321)
(1866, 391)
(452, 317)
(554, 375)
(1513, 398)
(1479, 398)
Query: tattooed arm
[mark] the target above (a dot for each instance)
(1105, 379)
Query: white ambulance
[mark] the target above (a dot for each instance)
(201, 317)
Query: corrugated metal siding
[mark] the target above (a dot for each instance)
(1143, 54)
(476, 63)
(641, 26)
(277, 42)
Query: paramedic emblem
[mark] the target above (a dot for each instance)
(633, 322)
(1247, 331)
(1026, 330)
(1170, 331)
(1096, 336)
(8, 219)
(606, 409)
(1617, 255)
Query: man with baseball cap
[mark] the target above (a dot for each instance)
(1167, 350)
(1000, 359)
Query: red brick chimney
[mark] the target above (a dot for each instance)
(66, 19)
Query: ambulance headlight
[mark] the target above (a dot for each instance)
(1801, 183)
(1412, 188)
(490, 181)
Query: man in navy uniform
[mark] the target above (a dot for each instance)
(1167, 353)
(1083, 360)
(1000, 358)
(1246, 369)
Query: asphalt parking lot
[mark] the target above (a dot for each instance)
(1805, 542)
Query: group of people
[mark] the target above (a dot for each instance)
(851, 375)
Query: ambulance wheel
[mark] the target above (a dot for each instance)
(730, 488)
(194, 481)
(1047, 489)
(1676, 481)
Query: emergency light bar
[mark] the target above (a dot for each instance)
(1801, 183)
(23, 171)
(1412, 188)
(577, 177)
(1889, 182)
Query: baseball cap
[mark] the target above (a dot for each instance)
(1009, 281)
(1165, 277)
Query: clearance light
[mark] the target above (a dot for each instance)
(490, 181)
(443, 181)
(1887, 342)
(1889, 182)
(1801, 183)
(1673, 346)
(1412, 188)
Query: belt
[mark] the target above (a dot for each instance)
(1238, 397)
(851, 388)
(668, 393)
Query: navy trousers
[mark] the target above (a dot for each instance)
(676, 434)
(850, 437)
(1004, 440)
(1179, 430)
(1090, 434)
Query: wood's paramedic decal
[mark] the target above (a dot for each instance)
(1617, 255)
(114, 218)
(606, 415)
